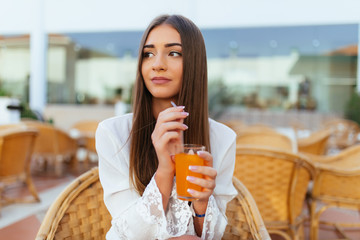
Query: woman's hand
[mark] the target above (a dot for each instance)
(167, 137)
(207, 183)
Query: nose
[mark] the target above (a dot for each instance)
(159, 63)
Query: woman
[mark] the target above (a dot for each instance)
(135, 151)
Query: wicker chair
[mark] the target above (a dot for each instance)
(53, 146)
(86, 126)
(336, 185)
(258, 127)
(345, 132)
(12, 126)
(244, 219)
(278, 181)
(86, 136)
(79, 212)
(316, 143)
(235, 125)
(16, 146)
(267, 138)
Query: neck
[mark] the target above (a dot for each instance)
(159, 105)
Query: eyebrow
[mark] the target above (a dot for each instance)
(166, 45)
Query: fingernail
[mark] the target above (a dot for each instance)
(200, 152)
(181, 107)
(193, 167)
(190, 191)
(185, 113)
(190, 178)
(186, 127)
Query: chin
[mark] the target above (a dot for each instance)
(163, 95)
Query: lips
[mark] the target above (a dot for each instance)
(160, 80)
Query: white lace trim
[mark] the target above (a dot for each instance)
(178, 215)
(211, 217)
(150, 208)
(178, 219)
(122, 226)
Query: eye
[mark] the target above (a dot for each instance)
(148, 54)
(175, 54)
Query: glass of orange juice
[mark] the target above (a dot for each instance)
(187, 157)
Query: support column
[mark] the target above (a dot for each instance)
(358, 62)
(38, 56)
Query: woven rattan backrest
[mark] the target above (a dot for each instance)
(16, 146)
(337, 185)
(244, 219)
(276, 179)
(79, 212)
(272, 139)
(316, 143)
(338, 176)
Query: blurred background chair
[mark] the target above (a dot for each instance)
(53, 148)
(84, 132)
(86, 126)
(344, 133)
(315, 143)
(79, 211)
(235, 125)
(336, 185)
(244, 219)
(278, 181)
(12, 126)
(266, 138)
(257, 127)
(16, 147)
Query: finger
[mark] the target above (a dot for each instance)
(208, 184)
(207, 157)
(166, 138)
(171, 116)
(172, 126)
(200, 195)
(172, 109)
(166, 127)
(205, 170)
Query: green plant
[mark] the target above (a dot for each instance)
(352, 110)
(3, 92)
(26, 112)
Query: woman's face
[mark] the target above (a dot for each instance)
(162, 66)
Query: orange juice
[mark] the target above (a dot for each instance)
(182, 163)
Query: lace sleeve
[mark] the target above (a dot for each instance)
(178, 218)
(212, 222)
(150, 206)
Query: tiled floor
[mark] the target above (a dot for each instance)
(22, 221)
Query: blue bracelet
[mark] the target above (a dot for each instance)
(199, 215)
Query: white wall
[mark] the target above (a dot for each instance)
(17, 16)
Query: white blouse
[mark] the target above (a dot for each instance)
(143, 217)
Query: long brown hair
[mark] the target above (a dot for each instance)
(192, 95)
